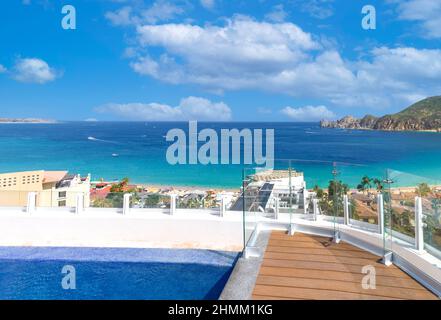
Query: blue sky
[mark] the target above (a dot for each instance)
(257, 60)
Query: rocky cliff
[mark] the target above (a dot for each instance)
(421, 116)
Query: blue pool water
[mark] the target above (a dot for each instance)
(106, 273)
(84, 147)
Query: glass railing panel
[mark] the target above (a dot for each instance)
(306, 181)
(431, 205)
(362, 185)
(387, 213)
(363, 210)
(145, 200)
(404, 188)
(400, 209)
(287, 190)
(248, 204)
(196, 200)
(107, 200)
(250, 220)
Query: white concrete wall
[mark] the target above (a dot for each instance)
(109, 228)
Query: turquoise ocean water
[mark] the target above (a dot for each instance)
(87, 147)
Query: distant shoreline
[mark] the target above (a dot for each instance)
(178, 187)
(384, 130)
(27, 121)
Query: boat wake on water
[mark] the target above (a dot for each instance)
(101, 140)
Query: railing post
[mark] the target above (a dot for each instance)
(172, 204)
(380, 209)
(223, 206)
(346, 209)
(79, 203)
(126, 203)
(305, 207)
(32, 199)
(419, 235)
(315, 209)
(276, 208)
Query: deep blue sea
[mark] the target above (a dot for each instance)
(111, 273)
(87, 147)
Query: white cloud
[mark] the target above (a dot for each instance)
(308, 113)
(190, 108)
(319, 9)
(277, 14)
(160, 10)
(396, 76)
(426, 12)
(208, 4)
(2, 68)
(243, 53)
(121, 17)
(33, 70)
(281, 57)
(230, 56)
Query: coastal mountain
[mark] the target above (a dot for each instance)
(424, 115)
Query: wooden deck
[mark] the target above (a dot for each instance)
(312, 267)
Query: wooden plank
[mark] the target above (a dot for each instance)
(259, 297)
(324, 266)
(405, 282)
(323, 258)
(324, 241)
(329, 246)
(342, 286)
(311, 294)
(322, 251)
(299, 237)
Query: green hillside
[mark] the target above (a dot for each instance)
(430, 107)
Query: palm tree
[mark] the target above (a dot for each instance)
(366, 181)
(119, 187)
(336, 191)
(423, 189)
(125, 181)
(318, 191)
(365, 184)
(379, 184)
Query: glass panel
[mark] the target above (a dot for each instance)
(430, 193)
(363, 184)
(363, 209)
(285, 192)
(387, 209)
(319, 176)
(145, 200)
(247, 204)
(404, 188)
(107, 200)
(432, 221)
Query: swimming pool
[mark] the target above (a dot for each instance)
(111, 273)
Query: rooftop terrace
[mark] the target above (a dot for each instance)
(313, 267)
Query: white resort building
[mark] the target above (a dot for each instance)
(275, 191)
